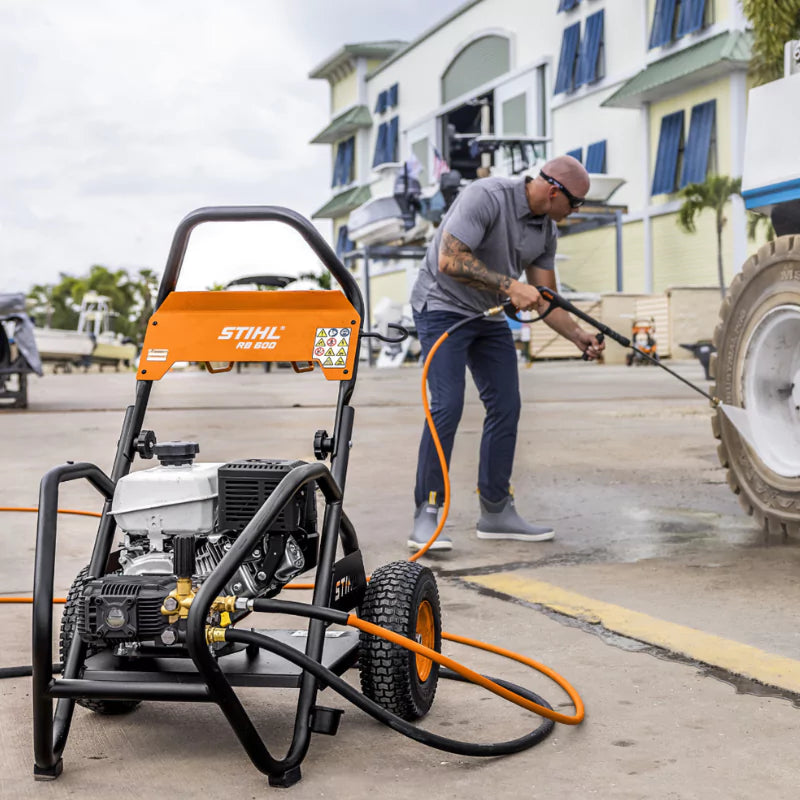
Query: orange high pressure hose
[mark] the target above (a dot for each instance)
(409, 644)
(35, 510)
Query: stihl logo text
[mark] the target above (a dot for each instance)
(251, 333)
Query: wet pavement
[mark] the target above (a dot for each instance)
(621, 461)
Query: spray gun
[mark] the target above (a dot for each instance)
(555, 300)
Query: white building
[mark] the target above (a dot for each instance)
(650, 91)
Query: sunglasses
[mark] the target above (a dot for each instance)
(574, 202)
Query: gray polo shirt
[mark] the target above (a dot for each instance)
(492, 217)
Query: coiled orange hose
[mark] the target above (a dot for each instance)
(402, 641)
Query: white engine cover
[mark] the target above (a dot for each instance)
(167, 499)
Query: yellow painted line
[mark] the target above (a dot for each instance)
(738, 658)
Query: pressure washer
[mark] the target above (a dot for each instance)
(202, 545)
(205, 544)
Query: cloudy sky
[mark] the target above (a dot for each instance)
(117, 118)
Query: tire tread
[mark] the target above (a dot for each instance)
(384, 667)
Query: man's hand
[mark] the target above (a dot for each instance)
(588, 344)
(523, 296)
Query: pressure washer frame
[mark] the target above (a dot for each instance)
(338, 584)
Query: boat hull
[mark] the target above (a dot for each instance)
(55, 344)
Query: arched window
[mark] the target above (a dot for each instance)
(480, 61)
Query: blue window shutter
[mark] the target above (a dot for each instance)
(380, 106)
(338, 165)
(380, 145)
(590, 50)
(340, 240)
(347, 165)
(663, 20)
(691, 17)
(343, 243)
(567, 5)
(566, 62)
(335, 176)
(392, 96)
(669, 143)
(577, 153)
(596, 157)
(698, 144)
(391, 139)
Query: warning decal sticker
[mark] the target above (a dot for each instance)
(331, 346)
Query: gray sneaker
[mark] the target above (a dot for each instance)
(426, 518)
(501, 521)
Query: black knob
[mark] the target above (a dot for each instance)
(145, 444)
(183, 555)
(323, 444)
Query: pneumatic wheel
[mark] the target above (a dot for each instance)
(401, 596)
(69, 622)
(757, 367)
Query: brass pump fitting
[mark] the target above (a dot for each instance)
(182, 596)
(228, 604)
(178, 602)
(214, 635)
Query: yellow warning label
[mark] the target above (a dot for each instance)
(321, 332)
(339, 361)
(328, 362)
(342, 352)
(329, 352)
(320, 343)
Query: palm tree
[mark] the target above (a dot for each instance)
(757, 221)
(322, 279)
(774, 23)
(713, 193)
(145, 286)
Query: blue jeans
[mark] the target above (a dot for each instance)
(487, 348)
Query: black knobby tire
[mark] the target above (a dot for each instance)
(69, 622)
(401, 596)
(768, 284)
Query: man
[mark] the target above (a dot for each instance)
(496, 228)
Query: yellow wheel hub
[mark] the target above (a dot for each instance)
(426, 635)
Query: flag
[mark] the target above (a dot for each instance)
(440, 166)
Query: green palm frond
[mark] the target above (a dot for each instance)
(774, 23)
(713, 193)
(756, 221)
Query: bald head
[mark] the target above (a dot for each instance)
(570, 172)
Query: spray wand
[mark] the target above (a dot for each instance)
(555, 300)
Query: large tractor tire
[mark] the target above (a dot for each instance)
(757, 367)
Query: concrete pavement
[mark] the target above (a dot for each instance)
(621, 461)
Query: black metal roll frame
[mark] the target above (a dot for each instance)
(50, 730)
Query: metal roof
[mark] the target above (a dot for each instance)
(347, 52)
(345, 124)
(698, 64)
(342, 203)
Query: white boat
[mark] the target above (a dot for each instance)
(55, 344)
(390, 216)
(93, 340)
(95, 320)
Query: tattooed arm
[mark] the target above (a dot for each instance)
(459, 262)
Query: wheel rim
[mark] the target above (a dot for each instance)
(771, 389)
(425, 635)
